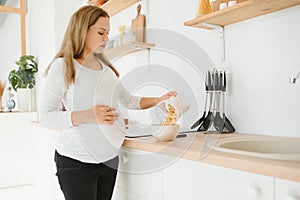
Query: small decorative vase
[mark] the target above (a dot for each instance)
(24, 99)
(11, 104)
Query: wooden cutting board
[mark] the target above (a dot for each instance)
(138, 25)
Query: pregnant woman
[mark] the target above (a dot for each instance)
(80, 95)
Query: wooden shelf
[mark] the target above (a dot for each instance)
(9, 9)
(241, 11)
(126, 49)
(115, 6)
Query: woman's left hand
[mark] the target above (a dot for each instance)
(168, 95)
(148, 102)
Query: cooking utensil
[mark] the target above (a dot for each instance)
(138, 25)
(218, 120)
(227, 124)
(229, 127)
(199, 122)
(209, 118)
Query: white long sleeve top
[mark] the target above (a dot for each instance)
(91, 143)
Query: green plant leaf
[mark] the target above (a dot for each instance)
(24, 77)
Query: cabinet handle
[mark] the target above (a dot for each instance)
(291, 197)
(252, 193)
(124, 159)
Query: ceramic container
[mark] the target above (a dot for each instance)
(165, 133)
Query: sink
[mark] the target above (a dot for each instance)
(279, 148)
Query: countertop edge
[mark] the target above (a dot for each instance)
(288, 170)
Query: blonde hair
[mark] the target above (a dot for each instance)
(74, 40)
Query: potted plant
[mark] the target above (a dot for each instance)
(23, 80)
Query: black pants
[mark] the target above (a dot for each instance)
(86, 181)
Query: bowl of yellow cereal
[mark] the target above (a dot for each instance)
(165, 133)
(168, 129)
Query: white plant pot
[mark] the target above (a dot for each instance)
(24, 99)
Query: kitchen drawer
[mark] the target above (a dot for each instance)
(194, 180)
(287, 190)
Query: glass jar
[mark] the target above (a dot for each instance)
(204, 7)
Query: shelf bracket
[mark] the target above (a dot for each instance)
(221, 37)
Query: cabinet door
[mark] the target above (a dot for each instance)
(122, 194)
(194, 180)
(16, 149)
(140, 174)
(46, 182)
(287, 190)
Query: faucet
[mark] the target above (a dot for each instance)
(293, 79)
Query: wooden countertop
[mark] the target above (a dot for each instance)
(193, 148)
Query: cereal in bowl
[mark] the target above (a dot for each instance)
(171, 116)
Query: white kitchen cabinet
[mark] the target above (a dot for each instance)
(122, 194)
(287, 190)
(16, 149)
(140, 174)
(173, 178)
(46, 182)
(194, 180)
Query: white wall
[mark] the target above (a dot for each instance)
(45, 20)
(10, 40)
(261, 55)
(10, 44)
(62, 14)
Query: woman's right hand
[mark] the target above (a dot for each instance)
(101, 114)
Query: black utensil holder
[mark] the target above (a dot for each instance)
(214, 119)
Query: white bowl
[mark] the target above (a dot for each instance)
(165, 133)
